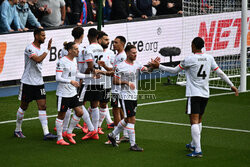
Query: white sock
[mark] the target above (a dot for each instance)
(200, 127)
(125, 132)
(75, 120)
(195, 132)
(59, 128)
(102, 113)
(131, 132)
(95, 117)
(44, 121)
(19, 119)
(117, 129)
(108, 118)
(86, 119)
(66, 120)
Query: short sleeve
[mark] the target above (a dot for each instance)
(88, 56)
(214, 65)
(187, 62)
(30, 52)
(62, 3)
(59, 66)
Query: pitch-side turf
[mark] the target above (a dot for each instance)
(162, 129)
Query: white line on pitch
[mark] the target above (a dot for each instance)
(182, 124)
(152, 121)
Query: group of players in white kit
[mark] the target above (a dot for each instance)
(100, 76)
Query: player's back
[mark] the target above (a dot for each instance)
(198, 67)
(94, 53)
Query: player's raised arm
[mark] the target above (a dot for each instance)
(223, 76)
(39, 59)
(156, 64)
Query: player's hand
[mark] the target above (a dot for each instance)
(97, 76)
(101, 63)
(49, 44)
(154, 63)
(234, 89)
(158, 59)
(129, 18)
(144, 16)
(74, 83)
(131, 85)
(25, 29)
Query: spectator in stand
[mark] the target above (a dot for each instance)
(26, 16)
(57, 16)
(125, 9)
(107, 9)
(80, 12)
(8, 15)
(38, 11)
(164, 7)
(145, 6)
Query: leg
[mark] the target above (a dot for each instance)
(195, 131)
(66, 120)
(41, 103)
(103, 113)
(59, 124)
(19, 119)
(95, 114)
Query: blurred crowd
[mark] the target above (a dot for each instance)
(22, 15)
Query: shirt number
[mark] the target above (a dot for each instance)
(201, 73)
(43, 92)
(98, 58)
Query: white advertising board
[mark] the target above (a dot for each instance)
(221, 33)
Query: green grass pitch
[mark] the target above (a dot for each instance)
(164, 144)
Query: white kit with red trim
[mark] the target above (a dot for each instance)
(197, 69)
(67, 69)
(129, 72)
(93, 53)
(32, 74)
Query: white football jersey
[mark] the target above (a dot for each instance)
(32, 74)
(108, 56)
(197, 68)
(69, 71)
(82, 65)
(128, 72)
(119, 58)
(94, 53)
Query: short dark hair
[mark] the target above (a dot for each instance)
(77, 32)
(129, 47)
(122, 39)
(68, 45)
(38, 31)
(101, 34)
(198, 42)
(92, 33)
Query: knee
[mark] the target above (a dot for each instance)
(103, 105)
(79, 113)
(42, 107)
